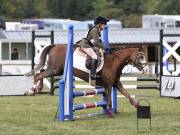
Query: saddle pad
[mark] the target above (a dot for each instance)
(79, 60)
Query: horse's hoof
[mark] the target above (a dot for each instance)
(136, 105)
(134, 102)
(29, 93)
(93, 82)
(110, 114)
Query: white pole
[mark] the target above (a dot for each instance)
(0, 57)
(9, 50)
(27, 53)
(0, 50)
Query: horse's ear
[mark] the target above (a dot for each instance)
(141, 48)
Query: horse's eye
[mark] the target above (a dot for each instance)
(141, 57)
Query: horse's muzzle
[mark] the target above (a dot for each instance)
(145, 69)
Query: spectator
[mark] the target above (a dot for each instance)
(15, 54)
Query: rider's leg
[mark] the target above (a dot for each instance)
(91, 53)
(94, 57)
(93, 69)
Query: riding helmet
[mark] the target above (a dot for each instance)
(100, 19)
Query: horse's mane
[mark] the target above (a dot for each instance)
(115, 51)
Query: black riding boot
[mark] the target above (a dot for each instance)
(93, 72)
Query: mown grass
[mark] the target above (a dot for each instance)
(21, 115)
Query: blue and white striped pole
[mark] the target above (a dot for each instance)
(70, 71)
(66, 84)
(114, 91)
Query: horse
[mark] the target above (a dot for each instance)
(114, 62)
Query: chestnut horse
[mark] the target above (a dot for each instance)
(114, 63)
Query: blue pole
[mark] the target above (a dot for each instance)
(164, 53)
(70, 71)
(106, 44)
(114, 91)
(105, 38)
(114, 99)
(105, 99)
(66, 101)
(61, 100)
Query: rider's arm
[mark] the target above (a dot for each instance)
(97, 42)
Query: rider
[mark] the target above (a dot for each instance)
(93, 42)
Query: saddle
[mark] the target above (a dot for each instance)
(89, 59)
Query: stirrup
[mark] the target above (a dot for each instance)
(95, 76)
(98, 76)
(92, 82)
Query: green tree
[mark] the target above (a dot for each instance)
(151, 6)
(17, 9)
(27, 9)
(6, 8)
(74, 9)
(128, 11)
(106, 8)
(169, 7)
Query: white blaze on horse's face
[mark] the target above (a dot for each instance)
(142, 62)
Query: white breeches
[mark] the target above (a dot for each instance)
(90, 52)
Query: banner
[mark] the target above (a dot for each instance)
(170, 86)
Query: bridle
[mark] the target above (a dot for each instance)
(137, 62)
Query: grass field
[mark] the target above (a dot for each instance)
(21, 115)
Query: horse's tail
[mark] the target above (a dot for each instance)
(42, 60)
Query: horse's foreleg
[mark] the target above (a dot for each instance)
(126, 94)
(108, 93)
